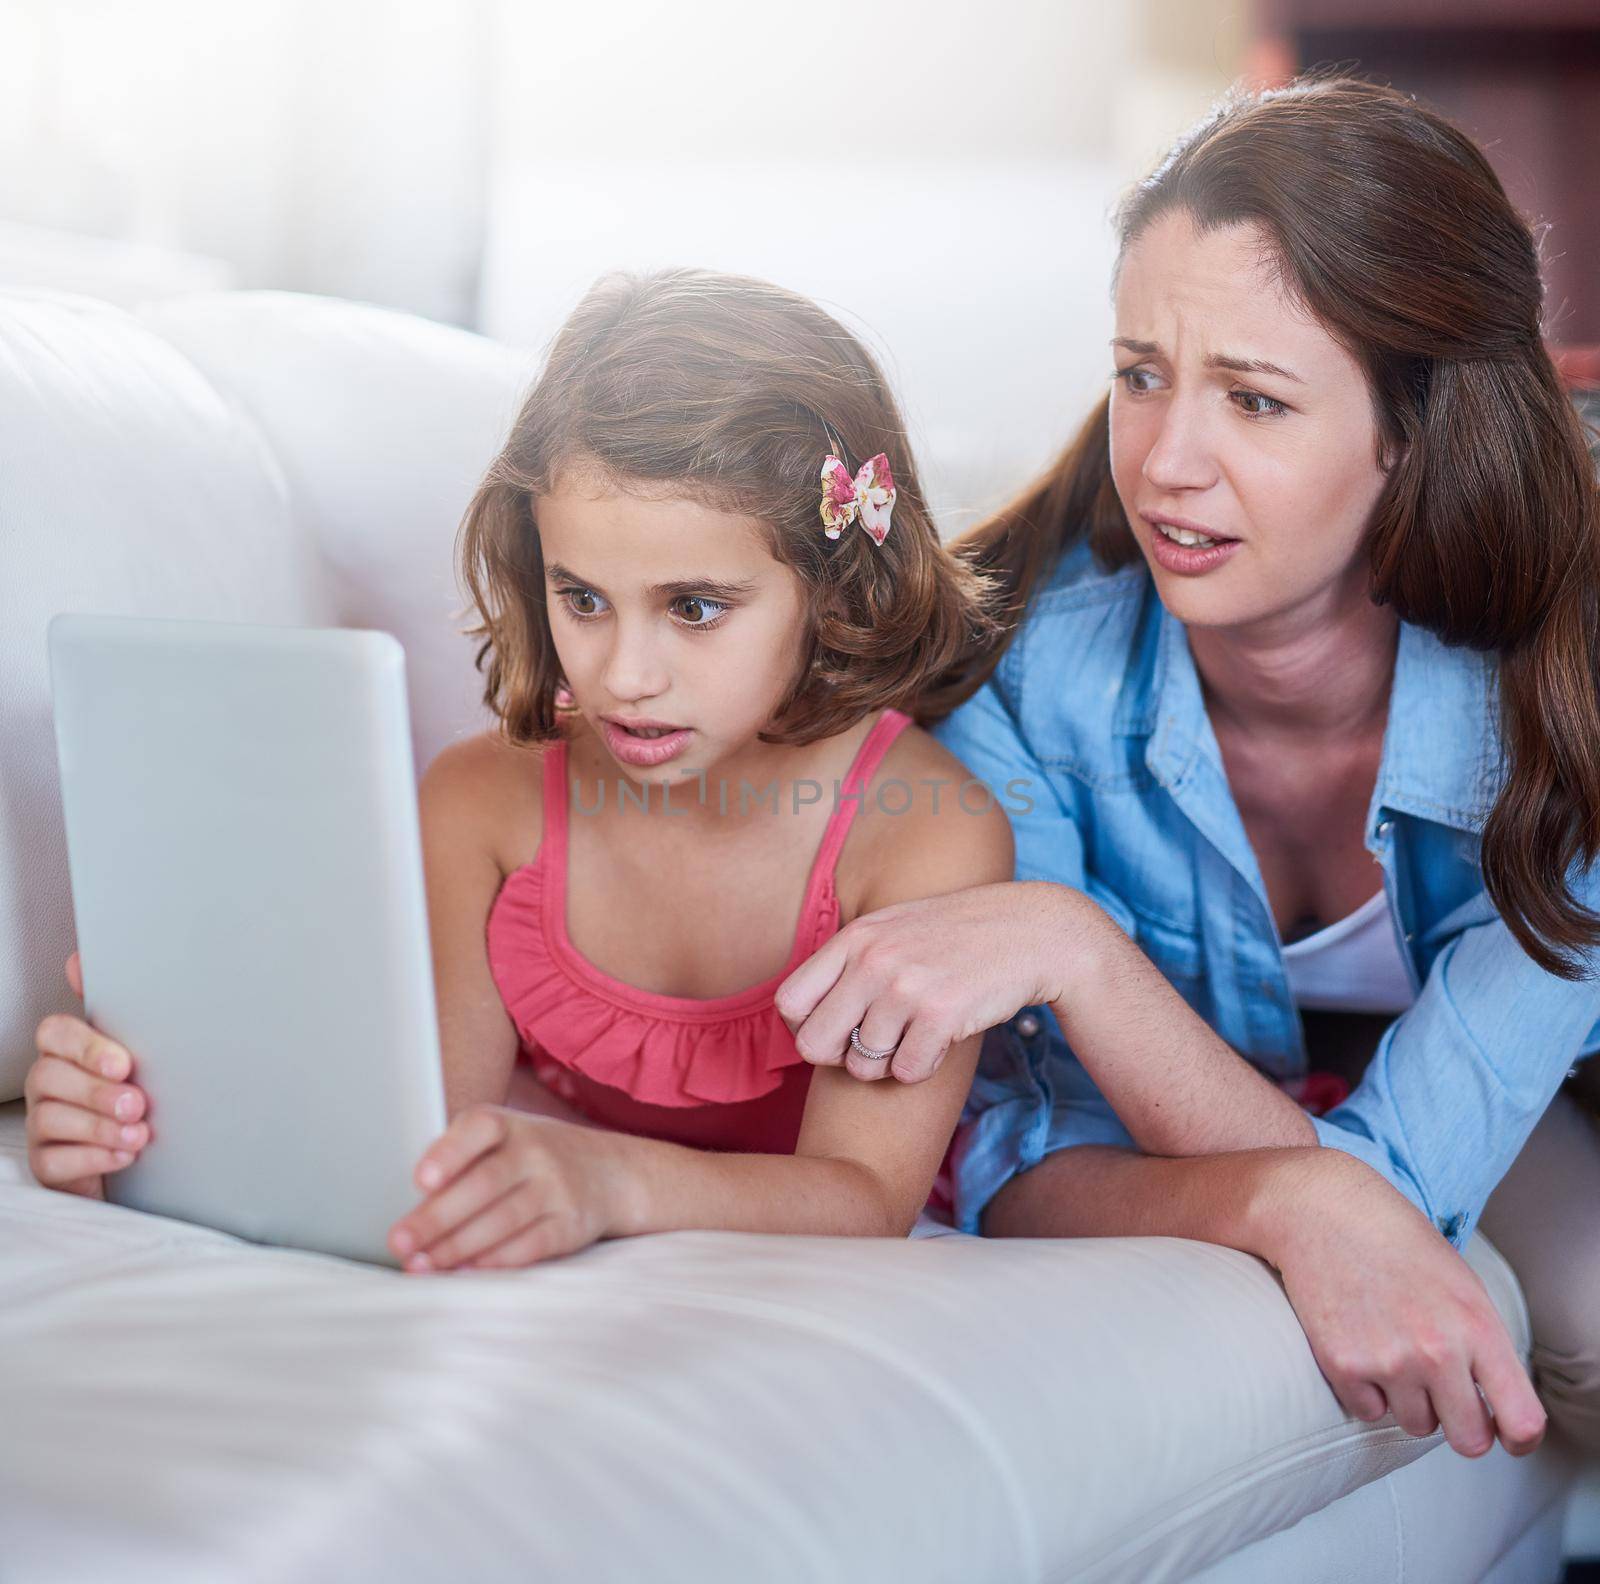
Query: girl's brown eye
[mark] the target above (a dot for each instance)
(696, 612)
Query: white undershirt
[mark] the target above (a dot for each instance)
(1354, 965)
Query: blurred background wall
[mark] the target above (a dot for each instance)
(940, 174)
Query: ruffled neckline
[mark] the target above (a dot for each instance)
(529, 885)
(662, 1050)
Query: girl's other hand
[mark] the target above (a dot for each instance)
(1397, 1319)
(507, 1189)
(84, 1115)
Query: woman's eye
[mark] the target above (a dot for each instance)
(696, 612)
(1255, 405)
(1138, 381)
(581, 602)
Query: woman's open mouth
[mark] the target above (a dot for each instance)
(1187, 550)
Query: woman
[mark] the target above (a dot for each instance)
(1306, 696)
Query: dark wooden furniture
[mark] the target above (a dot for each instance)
(1523, 78)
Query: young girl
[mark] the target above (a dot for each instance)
(706, 578)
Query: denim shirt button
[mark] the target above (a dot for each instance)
(1027, 1025)
(1384, 827)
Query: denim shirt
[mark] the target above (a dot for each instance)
(1093, 735)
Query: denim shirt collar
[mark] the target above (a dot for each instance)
(1440, 743)
(1441, 747)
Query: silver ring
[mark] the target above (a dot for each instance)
(865, 1051)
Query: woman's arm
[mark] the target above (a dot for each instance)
(1060, 938)
(948, 967)
(1396, 1319)
(1178, 1087)
(951, 966)
(1236, 1199)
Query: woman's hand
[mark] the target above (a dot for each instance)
(83, 1119)
(924, 975)
(506, 1189)
(1397, 1319)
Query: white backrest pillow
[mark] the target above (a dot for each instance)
(251, 456)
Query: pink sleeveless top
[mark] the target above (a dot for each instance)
(715, 1073)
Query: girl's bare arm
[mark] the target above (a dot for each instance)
(463, 796)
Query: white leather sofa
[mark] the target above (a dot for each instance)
(177, 1404)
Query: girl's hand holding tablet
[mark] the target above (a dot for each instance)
(84, 1116)
(507, 1189)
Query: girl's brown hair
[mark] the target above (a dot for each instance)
(1391, 227)
(730, 391)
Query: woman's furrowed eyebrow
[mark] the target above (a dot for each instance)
(1217, 360)
(713, 588)
(1241, 365)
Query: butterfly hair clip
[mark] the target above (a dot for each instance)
(868, 497)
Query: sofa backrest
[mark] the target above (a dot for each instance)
(249, 456)
(383, 424)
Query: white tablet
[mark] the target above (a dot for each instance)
(246, 867)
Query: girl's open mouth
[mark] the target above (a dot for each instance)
(644, 746)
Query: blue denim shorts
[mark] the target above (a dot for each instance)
(1031, 1096)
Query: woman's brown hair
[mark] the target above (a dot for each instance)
(1390, 226)
(730, 391)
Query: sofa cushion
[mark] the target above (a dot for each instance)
(694, 1405)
